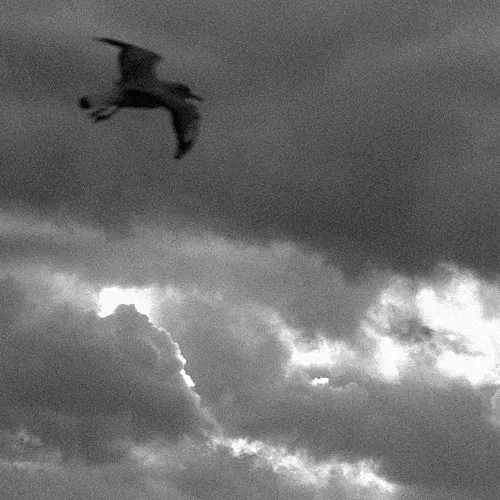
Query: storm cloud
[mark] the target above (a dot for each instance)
(88, 385)
(427, 430)
(364, 131)
(339, 140)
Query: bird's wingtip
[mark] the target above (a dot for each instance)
(111, 41)
(182, 150)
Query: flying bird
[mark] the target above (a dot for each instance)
(139, 87)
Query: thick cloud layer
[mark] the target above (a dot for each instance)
(303, 289)
(89, 385)
(415, 431)
(179, 473)
(241, 360)
(366, 131)
(219, 474)
(426, 430)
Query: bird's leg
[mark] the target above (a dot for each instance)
(97, 112)
(104, 113)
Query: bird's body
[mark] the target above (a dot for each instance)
(139, 87)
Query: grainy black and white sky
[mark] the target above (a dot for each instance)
(305, 307)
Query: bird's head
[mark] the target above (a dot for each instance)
(183, 91)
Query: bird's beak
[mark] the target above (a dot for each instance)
(197, 97)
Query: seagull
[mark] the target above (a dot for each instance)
(139, 87)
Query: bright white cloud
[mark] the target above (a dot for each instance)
(363, 474)
(320, 381)
(320, 353)
(390, 357)
(463, 343)
(467, 341)
(110, 298)
(143, 299)
(300, 468)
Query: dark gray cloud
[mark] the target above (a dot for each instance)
(91, 385)
(303, 289)
(77, 482)
(240, 362)
(233, 358)
(178, 473)
(425, 431)
(420, 434)
(423, 494)
(219, 474)
(365, 131)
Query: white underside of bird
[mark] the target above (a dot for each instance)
(139, 87)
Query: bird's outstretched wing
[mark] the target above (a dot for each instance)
(186, 119)
(136, 64)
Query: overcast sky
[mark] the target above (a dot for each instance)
(305, 307)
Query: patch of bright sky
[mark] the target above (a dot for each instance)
(145, 299)
(455, 312)
(320, 353)
(111, 297)
(390, 357)
(465, 342)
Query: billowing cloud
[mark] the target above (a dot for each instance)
(221, 475)
(233, 357)
(363, 131)
(424, 429)
(307, 292)
(419, 433)
(240, 354)
(185, 472)
(91, 385)
(336, 137)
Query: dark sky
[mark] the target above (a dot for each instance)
(341, 198)
(366, 131)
